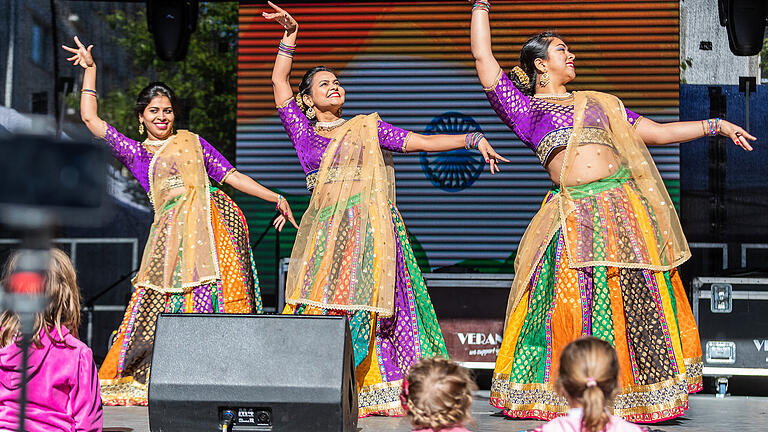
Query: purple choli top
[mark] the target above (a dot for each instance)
(137, 158)
(543, 126)
(310, 145)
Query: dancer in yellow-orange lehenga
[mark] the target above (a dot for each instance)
(600, 257)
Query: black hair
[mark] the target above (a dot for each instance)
(151, 91)
(305, 86)
(535, 48)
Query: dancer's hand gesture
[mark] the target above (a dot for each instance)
(738, 135)
(282, 17)
(82, 55)
(490, 155)
(285, 214)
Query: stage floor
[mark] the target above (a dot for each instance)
(706, 413)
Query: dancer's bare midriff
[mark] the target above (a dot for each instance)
(591, 162)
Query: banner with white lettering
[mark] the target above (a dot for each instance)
(472, 340)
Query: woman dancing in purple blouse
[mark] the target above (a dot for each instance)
(352, 256)
(600, 257)
(198, 257)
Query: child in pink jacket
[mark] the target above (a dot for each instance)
(63, 387)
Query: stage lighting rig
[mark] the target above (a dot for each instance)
(171, 23)
(745, 21)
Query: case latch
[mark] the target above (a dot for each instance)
(721, 300)
(723, 352)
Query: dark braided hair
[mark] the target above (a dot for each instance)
(305, 86)
(535, 48)
(151, 91)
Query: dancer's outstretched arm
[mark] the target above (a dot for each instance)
(246, 184)
(88, 99)
(281, 72)
(654, 133)
(480, 37)
(439, 143)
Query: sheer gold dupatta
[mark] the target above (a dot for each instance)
(344, 254)
(625, 220)
(180, 251)
(649, 238)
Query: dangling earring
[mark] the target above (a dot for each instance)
(141, 127)
(310, 113)
(544, 80)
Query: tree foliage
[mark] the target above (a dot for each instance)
(205, 82)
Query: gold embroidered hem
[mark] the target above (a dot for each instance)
(224, 179)
(284, 104)
(560, 137)
(694, 367)
(123, 392)
(404, 148)
(172, 182)
(636, 403)
(185, 288)
(384, 312)
(634, 266)
(495, 82)
(334, 175)
(381, 398)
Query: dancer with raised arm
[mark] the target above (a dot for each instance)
(198, 257)
(600, 257)
(352, 256)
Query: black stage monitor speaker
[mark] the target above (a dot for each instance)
(252, 372)
(745, 22)
(171, 23)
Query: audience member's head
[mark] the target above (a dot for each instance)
(437, 394)
(63, 297)
(589, 378)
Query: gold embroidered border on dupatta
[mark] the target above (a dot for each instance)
(181, 251)
(619, 148)
(334, 265)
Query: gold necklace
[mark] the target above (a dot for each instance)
(566, 95)
(157, 143)
(326, 126)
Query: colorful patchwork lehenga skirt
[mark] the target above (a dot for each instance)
(124, 375)
(644, 314)
(386, 347)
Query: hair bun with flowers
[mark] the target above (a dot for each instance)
(521, 75)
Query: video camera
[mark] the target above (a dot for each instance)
(44, 183)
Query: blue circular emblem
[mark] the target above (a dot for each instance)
(454, 170)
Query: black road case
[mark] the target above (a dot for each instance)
(732, 316)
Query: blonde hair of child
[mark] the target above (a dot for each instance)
(63, 301)
(439, 394)
(589, 375)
